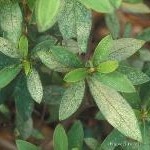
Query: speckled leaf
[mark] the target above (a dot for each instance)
(10, 20)
(107, 66)
(76, 75)
(117, 81)
(75, 136)
(102, 50)
(124, 48)
(7, 74)
(35, 86)
(113, 24)
(140, 8)
(144, 35)
(134, 75)
(75, 21)
(24, 145)
(60, 140)
(51, 62)
(8, 48)
(104, 6)
(46, 12)
(115, 109)
(23, 46)
(71, 100)
(64, 56)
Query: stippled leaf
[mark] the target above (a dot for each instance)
(136, 8)
(46, 12)
(23, 46)
(60, 139)
(75, 21)
(75, 136)
(134, 75)
(124, 48)
(35, 86)
(10, 20)
(76, 75)
(7, 74)
(144, 35)
(7, 48)
(71, 100)
(117, 81)
(99, 6)
(113, 24)
(115, 109)
(102, 50)
(23, 145)
(107, 66)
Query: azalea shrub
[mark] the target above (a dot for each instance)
(48, 61)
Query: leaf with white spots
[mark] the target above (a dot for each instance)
(71, 100)
(35, 86)
(115, 109)
(75, 21)
(10, 20)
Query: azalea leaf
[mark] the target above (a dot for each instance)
(35, 86)
(23, 46)
(75, 21)
(115, 109)
(11, 20)
(71, 100)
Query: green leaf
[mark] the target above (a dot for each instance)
(65, 57)
(140, 8)
(76, 75)
(127, 30)
(60, 139)
(115, 109)
(26, 66)
(124, 48)
(144, 35)
(134, 75)
(99, 6)
(116, 3)
(35, 86)
(91, 143)
(75, 136)
(76, 21)
(11, 20)
(144, 54)
(7, 74)
(117, 81)
(23, 46)
(102, 50)
(133, 1)
(71, 100)
(107, 66)
(7, 48)
(23, 145)
(113, 24)
(46, 12)
(51, 62)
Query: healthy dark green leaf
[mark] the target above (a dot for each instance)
(46, 12)
(124, 48)
(75, 136)
(134, 75)
(11, 20)
(60, 139)
(71, 100)
(7, 74)
(75, 21)
(102, 50)
(117, 81)
(23, 145)
(35, 86)
(76, 75)
(115, 109)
